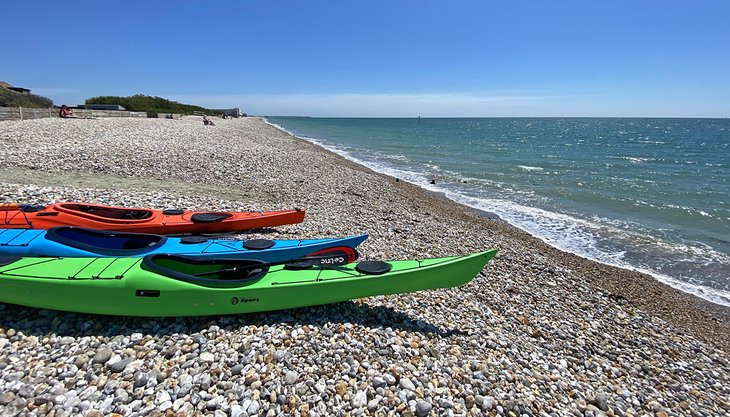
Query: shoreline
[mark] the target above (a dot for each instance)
(713, 295)
(716, 311)
(534, 318)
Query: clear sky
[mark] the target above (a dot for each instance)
(380, 58)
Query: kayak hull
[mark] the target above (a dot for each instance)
(122, 286)
(102, 217)
(71, 242)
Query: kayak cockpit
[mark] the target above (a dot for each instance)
(105, 242)
(115, 213)
(219, 273)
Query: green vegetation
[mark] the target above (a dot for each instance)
(140, 102)
(10, 98)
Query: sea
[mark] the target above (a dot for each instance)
(651, 195)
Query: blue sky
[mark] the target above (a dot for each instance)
(380, 58)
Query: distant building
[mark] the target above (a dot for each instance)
(7, 86)
(101, 107)
(236, 112)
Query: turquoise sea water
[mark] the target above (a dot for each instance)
(645, 194)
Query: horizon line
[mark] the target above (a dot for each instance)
(491, 117)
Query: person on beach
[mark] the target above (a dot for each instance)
(67, 113)
(207, 122)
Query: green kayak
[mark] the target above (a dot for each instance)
(170, 285)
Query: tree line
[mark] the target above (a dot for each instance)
(10, 98)
(140, 102)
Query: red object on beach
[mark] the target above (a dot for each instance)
(22, 216)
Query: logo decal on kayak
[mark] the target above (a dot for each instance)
(333, 261)
(236, 300)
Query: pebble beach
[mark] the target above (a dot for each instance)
(538, 332)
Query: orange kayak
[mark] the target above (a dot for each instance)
(20, 216)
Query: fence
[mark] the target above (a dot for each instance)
(24, 113)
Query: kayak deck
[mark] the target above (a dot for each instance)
(171, 221)
(121, 286)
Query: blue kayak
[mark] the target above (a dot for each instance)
(77, 242)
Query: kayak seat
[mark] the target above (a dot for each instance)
(213, 273)
(109, 212)
(104, 242)
(231, 275)
(137, 244)
(136, 215)
(209, 217)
